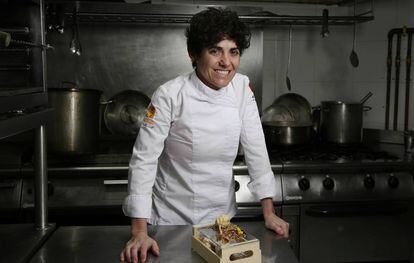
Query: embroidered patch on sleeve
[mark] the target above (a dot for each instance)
(151, 111)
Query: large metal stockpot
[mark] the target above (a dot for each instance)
(341, 122)
(75, 129)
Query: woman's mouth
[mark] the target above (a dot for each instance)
(223, 73)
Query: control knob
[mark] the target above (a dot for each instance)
(393, 181)
(236, 186)
(369, 182)
(328, 183)
(304, 184)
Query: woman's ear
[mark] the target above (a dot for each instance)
(193, 60)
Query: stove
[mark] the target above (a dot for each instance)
(330, 153)
(357, 199)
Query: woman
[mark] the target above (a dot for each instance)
(181, 166)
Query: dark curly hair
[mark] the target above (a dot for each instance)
(211, 26)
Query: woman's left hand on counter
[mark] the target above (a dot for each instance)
(272, 221)
(277, 224)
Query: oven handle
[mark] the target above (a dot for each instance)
(356, 210)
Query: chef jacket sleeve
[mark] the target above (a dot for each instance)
(146, 151)
(262, 183)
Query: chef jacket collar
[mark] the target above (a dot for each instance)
(206, 90)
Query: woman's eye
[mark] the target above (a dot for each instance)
(214, 51)
(235, 52)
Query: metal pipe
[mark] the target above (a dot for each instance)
(407, 80)
(389, 67)
(40, 165)
(397, 79)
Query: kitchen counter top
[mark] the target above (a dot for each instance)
(104, 244)
(19, 242)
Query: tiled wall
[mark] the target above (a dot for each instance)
(320, 68)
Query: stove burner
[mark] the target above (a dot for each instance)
(329, 152)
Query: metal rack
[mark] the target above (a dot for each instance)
(267, 19)
(24, 107)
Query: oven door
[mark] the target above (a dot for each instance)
(363, 232)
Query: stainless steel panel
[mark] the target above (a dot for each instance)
(10, 194)
(357, 237)
(139, 57)
(77, 193)
(347, 187)
(245, 197)
(104, 244)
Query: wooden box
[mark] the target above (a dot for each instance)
(247, 251)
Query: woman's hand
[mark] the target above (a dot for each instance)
(137, 247)
(139, 244)
(272, 221)
(277, 224)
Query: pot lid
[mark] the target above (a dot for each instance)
(125, 112)
(289, 109)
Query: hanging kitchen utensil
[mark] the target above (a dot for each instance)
(366, 97)
(288, 85)
(353, 57)
(75, 45)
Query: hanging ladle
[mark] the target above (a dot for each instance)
(288, 85)
(354, 56)
(366, 97)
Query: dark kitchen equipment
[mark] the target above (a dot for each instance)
(325, 22)
(287, 135)
(288, 84)
(76, 126)
(341, 122)
(366, 97)
(400, 32)
(125, 112)
(288, 121)
(354, 56)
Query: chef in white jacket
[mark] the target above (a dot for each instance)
(181, 167)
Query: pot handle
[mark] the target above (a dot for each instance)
(106, 102)
(367, 108)
(73, 84)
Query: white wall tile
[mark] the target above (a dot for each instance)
(320, 69)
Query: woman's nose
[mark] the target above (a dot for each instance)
(225, 59)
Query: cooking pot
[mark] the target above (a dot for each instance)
(286, 135)
(75, 129)
(341, 122)
(288, 121)
(125, 112)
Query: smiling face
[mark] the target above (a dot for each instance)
(217, 65)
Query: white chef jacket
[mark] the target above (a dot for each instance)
(181, 167)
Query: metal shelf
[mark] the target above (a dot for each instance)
(23, 122)
(8, 103)
(257, 20)
(23, 92)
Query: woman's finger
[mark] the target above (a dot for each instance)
(127, 253)
(134, 252)
(143, 251)
(155, 248)
(122, 256)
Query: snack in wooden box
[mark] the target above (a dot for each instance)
(223, 242)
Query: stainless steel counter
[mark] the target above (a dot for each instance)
(104, 243)
(19, 242)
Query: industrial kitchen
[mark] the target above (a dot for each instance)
(274, 131)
